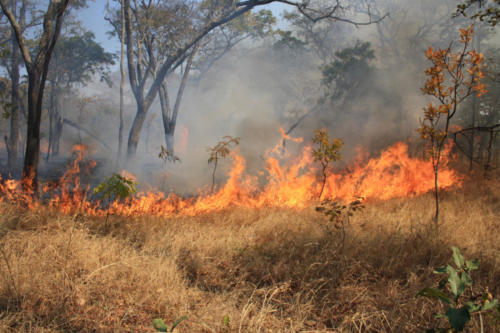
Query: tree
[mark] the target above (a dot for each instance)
(451, 79)
(188, 35)
(37, 67)
(11, 63)
(76, 59)
(326, 153)
(488, 11)
(344, 79)
(220, 150)
(347, 73)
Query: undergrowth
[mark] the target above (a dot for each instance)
(265, 270)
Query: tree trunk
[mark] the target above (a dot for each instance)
(477, 41)
(135, 131)
(58, 120)
(13, 140)
(170, 116)
(51, 122)
(122, 83)
(55, 120)
(31, 158)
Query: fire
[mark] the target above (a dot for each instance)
(294, 185)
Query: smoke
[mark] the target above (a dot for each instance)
(255, 89)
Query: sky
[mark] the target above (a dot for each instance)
(93, 19)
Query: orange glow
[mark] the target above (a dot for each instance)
(181, 143)
(292, 183)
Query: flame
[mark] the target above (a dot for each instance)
(295, 184)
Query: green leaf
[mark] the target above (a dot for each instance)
(472, 265)
(226, 320)
(457, 257)
(473, 307)
(159, 325)
(177, 322)
(490, 305)
(458, 317)
(440, 270)
(435, 293)
(466, 279)
(457, 284)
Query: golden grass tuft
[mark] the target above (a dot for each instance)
(267, 270)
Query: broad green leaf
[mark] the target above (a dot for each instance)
(466, 279)
(435, 293)
(159, 325)
(177, 322)
(457, 257)
(472, 265)
(457, 284)
(458, 317)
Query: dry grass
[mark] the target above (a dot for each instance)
(268, 270)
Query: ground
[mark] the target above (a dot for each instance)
(242, 270)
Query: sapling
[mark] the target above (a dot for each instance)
(220, 150)
(451, 79)
(160, 325)
(115, 187)
(326, 153)
(339, 213)
(460, 301)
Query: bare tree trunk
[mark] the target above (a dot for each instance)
(213, 175)
(170, 116)
(31, 158)
(55, 120)
(477, 38)
(135, 131)
(12, 142)
(122, 83)
(51, 121)
(436, 195)
(138, 79)
(58, 120)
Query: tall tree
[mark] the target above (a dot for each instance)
(77, 58)
(199, 21)
(37, 67)
(11, 63)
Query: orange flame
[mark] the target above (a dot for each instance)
(393, 174)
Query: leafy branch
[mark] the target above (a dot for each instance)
(221, 150)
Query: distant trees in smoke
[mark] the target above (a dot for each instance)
(332, 73)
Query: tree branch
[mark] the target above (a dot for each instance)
(19, 35)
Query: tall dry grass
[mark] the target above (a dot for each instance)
(267, 270)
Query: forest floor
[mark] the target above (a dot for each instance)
(241, 270)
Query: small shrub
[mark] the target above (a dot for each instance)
(339, 213)
(115, 187)
(160, 325)
(220, 150)
(326, 153)
(459, 300)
